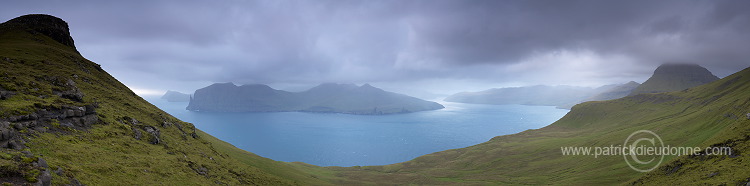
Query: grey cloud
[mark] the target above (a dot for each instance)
(309, 42)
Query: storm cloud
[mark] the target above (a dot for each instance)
(438, 46)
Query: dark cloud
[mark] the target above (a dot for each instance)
(187, 44)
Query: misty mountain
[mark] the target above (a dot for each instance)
(616, 92)
(329, 97)
(666, 78)
(531, 95)
(174, 96)
(607, 92)
(675, 77)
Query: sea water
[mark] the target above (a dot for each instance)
(327, 139)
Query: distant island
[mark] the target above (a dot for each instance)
(174, 96)
(329, 97)
(666, 78)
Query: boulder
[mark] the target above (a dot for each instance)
(59, 171)
(16, 144)
(70, 113)
(45, 178)
(89, 120)
(202, 170)
(4, 94)
(73, 93)
(90, 109)
(137, 133)
(66, 124)
(6, 134)
(42, 163)
(154, 134)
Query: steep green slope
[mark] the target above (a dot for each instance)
(64, 120)
(708, 115)
(726, 107)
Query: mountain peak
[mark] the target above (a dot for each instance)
(227, 84)
(257, 86)
(48, 25)
(675, 77)
(683, 68)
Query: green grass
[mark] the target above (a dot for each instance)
(35, 66)
(108, 154)
(696, 117)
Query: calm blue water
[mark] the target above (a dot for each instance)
(349, 140)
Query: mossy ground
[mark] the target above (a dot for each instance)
(33, 67)
(709, 115)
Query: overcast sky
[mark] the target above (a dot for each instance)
(408, 46)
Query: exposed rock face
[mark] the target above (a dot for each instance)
(51, 26)
(675, 77)
(154, 132)
(337, 98)
(174, 96)
(45, 120)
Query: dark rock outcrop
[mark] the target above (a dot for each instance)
(154, 132)
(45, 120)
(48, 25)
(59, 118)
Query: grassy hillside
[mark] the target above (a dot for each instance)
(64, 120)
(708, 115)
(124, 140)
